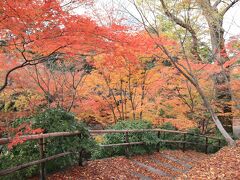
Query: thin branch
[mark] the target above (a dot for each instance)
(185, 26)
(216, 3)
(8, 74)
(228, 7)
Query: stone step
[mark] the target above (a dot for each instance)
(141, 176)
(169, 166)
(188, 159)
(151, 169)
(181, 162)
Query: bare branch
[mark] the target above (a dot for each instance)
(185, 26)
(27, 63)
(8, 74)
(228, 7)
(216, 3)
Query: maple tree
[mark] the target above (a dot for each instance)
(124, 79)
(44, 31)
(185, 62)
(59, 66)
(102, 69)
(57, 82)
(27, 30)
(43, 34)
(23, 44)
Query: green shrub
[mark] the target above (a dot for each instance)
(168, 126)
(194, 136)
(201, 140)
(52, 120)
(149, 138)
(169, 136)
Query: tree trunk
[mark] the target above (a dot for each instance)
(215, 118)
(223, 97)
(236, 114)
(195, 83)
(143, 93)
(131, 95)
(219, 55)
(121, 95)
(212, 16)
(236, 126)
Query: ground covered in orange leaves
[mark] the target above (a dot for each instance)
(225, 164)
(167, 164)
(163, 165)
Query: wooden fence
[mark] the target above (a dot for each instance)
(43, 159)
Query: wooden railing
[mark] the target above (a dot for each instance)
(184, 142)
(43, 159)
(41, 141)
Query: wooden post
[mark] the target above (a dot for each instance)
(127, 147)
(158, 144)
(206, 145)
(219, 144)
(80, 153)
(43, 173)
(184, 142)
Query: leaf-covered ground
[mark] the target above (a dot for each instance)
(225, 164)
(154, 166)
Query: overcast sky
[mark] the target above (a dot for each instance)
(231, 19)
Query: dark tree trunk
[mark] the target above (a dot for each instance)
(223, 98)
(221, 80)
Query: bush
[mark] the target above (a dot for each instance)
(212, 143)
(52, 120)
(192, 136)
(149, 138)
(169, 136)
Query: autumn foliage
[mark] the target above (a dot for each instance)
(52, 57)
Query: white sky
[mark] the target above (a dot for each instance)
(231, 22)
